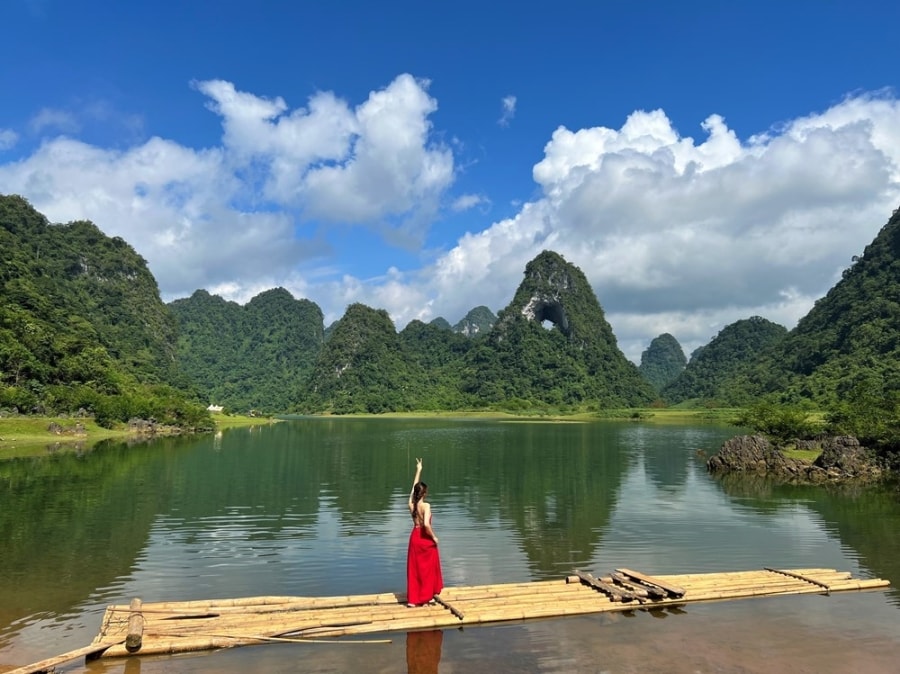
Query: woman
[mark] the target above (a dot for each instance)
(423, 563)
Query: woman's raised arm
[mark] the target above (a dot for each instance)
(415, 482)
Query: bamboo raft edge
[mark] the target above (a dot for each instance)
(169, 627)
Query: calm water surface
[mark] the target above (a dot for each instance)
(318, 507)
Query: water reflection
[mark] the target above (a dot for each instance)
(317, 507)
(423, 651)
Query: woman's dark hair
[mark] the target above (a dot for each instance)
(418, 492)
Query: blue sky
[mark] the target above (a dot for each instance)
(701, 162)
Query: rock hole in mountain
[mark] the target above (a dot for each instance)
(549, 314)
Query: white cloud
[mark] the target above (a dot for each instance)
(170, 202)
(372, 164)
(508, 104)
(226, 217)
(466, 202)
(687, 237)
(57, 121)
(675, 234)
(8, 139)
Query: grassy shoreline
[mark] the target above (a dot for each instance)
(653, 415)
(23, 436)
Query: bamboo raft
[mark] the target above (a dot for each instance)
(183, 626)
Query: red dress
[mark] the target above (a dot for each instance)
(423, 567)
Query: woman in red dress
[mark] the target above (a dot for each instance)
(423, 563)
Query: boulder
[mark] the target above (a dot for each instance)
(747, 453)
(842, 459)
(843, 455)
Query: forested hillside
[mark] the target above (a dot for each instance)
(366, 366)
(252, 357)
(552, 345)
(849, 342)
(844, 355)
(478, 321)
(362, 368)
(82, 325)
(440, 353)
(662, 361)
(710, 373)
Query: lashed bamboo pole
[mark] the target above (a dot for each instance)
(295, 640)
(50, 663)
(175, 626)
(725, 576)
(260, 604)
(748, 588)
(135, 627)
(671, 588)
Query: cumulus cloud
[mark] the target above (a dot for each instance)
(675, 234)
(508, 104)
(371, 164)
(170, 202)
(228, 216)
(685, 237)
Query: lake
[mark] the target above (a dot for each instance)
(317, 506)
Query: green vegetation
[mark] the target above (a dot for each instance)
(478, 321)
(84, 334)
(781, 422)
(238, 420)
(808, 455)
(362, 368)
(30, 435)
(709, 373)
(871, 412)
(253, 357)
(573, 361)
(849, 342)
(82, 326)
(662, 361)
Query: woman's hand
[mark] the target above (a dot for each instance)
(418, 464)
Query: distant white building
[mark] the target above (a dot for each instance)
(215, 408)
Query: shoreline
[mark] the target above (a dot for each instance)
(646, 414)
(24, 436)
(29, 436)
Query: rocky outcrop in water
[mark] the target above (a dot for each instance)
(842, 458)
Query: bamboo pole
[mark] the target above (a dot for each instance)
(135, 627)
(194, 608)
(800, 576)
(672, 589)
(449, 607)
(297, 640)
(83, 652)
(615, 593)
(228, 623)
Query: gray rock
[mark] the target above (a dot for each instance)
(842, 459)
